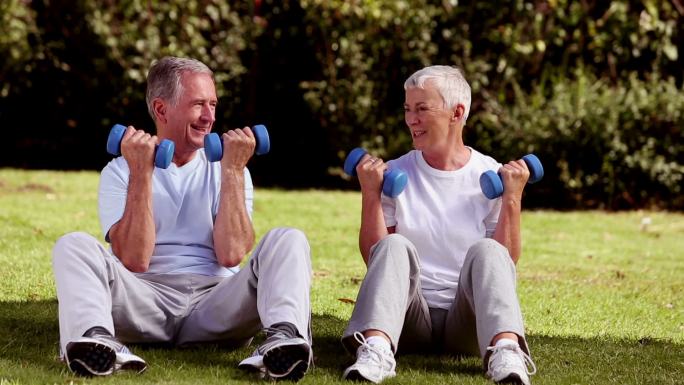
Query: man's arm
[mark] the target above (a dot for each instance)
(514, 176)
(133, 236)
(233, 231)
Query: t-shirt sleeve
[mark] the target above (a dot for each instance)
(111, 198)
(492, 219)
(249, 193)
(389, 207)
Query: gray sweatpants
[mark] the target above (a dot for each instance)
(95, 289)
(390, 300)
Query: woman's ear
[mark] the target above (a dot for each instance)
(458, 112)
(159, 109)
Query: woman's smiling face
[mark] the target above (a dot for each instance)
(426, 117)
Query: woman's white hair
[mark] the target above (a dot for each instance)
(449, 82)
(164, 79)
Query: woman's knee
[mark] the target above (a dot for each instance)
(487, 250)
(394, 248)
(392, 242)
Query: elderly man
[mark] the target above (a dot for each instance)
(177, 236)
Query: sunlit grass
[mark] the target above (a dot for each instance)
(603, 297)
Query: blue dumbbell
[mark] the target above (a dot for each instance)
(162, 157)
(394, 180)
(213, 145)
(492, 185)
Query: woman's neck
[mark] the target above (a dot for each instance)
(450, 158)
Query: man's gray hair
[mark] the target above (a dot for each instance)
(449, 82)
(164, 79)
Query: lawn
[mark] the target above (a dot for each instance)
(602, 296)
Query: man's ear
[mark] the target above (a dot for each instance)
(458, 112)
(159, 109)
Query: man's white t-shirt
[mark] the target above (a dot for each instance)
(185, 202)
(442, 213)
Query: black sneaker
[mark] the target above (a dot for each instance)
(282, 356)
(98, 353)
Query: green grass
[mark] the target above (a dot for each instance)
(603, 300)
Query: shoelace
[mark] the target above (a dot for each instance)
(506, 359)
(370, 353)
(112, 341)
(273, 334)
(276, 334)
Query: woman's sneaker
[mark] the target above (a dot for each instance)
(372, 364)
(509, 364)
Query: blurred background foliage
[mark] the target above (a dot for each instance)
(594, 88)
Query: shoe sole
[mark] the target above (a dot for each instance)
(129, 362)
(512, 379)
(91, 358)
(355, 375)
(287, 362)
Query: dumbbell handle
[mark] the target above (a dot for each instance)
(163, 153)
(394, 181)
(492, 185)
(213, 145)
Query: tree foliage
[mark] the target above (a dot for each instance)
(137, 32)
(593, 87)
(538, 69)
(17, 25)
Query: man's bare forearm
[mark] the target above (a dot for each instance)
(233, 231)
(133, 237)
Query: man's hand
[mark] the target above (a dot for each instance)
(138, 147)
(238, 148)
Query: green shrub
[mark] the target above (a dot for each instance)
(603, 145)
(365, 50)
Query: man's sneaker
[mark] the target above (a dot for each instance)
(372, 363)
(509, 364)
(98, 353)
(282, 356)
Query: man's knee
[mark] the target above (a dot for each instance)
(72, 245)
(290, 236)
(290, 239)
(295, 236)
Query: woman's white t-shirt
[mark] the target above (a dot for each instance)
(442, 213)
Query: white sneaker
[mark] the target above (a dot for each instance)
(372, 363)
(509, 364)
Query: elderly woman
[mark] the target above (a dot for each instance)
(441, 256)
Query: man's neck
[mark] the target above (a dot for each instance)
(183, 158)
